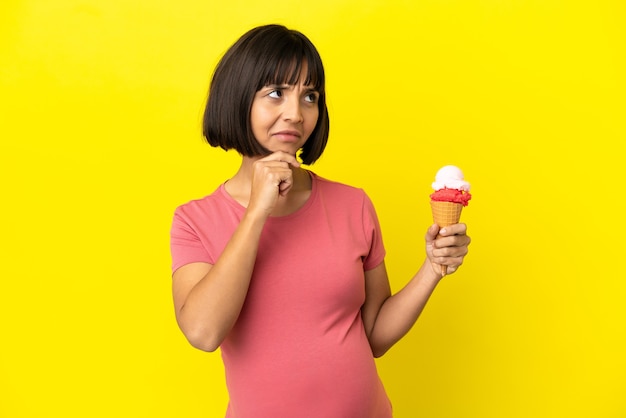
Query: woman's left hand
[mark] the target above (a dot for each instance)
(447, 247)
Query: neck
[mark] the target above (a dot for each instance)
(239, 186)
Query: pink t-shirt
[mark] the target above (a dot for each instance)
(298, 348)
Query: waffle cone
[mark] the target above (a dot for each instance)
(446, 213)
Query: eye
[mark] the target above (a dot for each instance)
(311, 97)
(275, 94)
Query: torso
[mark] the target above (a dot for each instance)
(299, 347)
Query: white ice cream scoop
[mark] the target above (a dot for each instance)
(450, 177)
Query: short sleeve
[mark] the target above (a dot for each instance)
(373, 234)
(185, 244)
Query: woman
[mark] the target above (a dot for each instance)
(280, 268)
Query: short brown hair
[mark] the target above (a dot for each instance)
(265, 55)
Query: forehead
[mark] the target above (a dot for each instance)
(292, 71)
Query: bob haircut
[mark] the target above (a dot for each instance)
(265, 55)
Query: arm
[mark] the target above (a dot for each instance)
(208, 298)
(387, 318)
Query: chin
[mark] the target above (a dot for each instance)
(286, 150)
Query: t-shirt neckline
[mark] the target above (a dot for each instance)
(302, 209)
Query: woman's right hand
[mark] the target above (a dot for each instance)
(272, 177)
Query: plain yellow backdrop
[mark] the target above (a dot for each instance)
(100, 111)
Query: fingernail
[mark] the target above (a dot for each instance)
(442, 231)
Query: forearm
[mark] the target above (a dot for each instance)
(212, 306)
(400, 311)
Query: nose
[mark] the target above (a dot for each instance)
(293, 111)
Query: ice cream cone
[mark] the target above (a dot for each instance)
(444, 214)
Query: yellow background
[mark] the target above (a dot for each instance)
(100, 111)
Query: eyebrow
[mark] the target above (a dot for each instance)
(307, 88)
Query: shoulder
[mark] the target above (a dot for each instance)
(343, 194)
(337, 189)
(207, 206)
(344, 197)
(213, 199)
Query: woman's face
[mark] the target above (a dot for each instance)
(284, 116)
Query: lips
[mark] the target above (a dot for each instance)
(288, 135)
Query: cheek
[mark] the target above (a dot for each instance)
(311, 121)
(258, 119)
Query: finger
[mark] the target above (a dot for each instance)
(449, 261)
(451, 246)
(284, 187)
(432, 233)
(456, 229)
(283, 157)
(281, 177)
(272, 167)
(450, 251)
(285, 182)
(269, 165)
